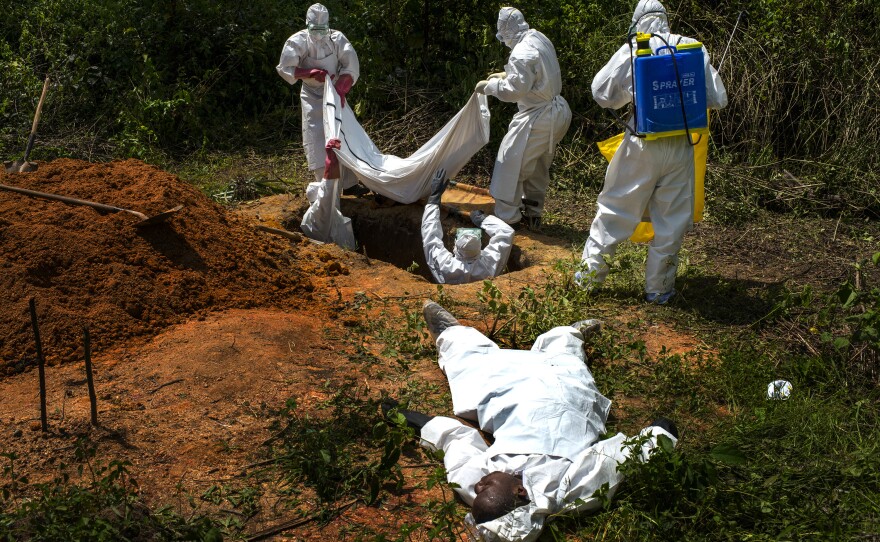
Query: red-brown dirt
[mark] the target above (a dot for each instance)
(196, 324)
(83, 268)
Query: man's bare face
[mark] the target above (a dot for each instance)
(495, 481)
(498, 491)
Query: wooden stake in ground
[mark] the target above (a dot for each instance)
(41, 364)
(93, 399)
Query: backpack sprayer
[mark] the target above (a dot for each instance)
(669, 90)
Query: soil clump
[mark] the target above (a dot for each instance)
(84, 268)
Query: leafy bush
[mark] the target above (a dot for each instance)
(141, 77)
(107, 508)
(335, 455)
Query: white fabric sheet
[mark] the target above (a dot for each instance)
(406, 180)
(323, 221)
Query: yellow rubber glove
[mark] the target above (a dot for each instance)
(498, 75)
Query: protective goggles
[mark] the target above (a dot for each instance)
(319, 30)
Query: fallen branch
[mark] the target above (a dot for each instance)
(292, 235)
(292, 524)
(166, 384)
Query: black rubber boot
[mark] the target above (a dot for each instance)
(667, 425)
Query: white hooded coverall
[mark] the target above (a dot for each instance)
(449, 268)
(546, 414)
(332, 53)
(534, 81)
(654, 176)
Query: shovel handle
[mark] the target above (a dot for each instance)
(72, 201)
(33, 135)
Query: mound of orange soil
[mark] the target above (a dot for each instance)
(84, 268)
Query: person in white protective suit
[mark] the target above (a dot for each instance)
(469, 262)
(310, 56)
(656, 176)
(546, 415)
(532, 79)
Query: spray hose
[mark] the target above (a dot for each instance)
(632, 72)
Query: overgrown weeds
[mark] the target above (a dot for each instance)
(351, 452)
(106, 507)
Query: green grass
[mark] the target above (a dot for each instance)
(747, 468)
(105, 507)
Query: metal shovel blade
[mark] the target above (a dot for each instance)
(156, 219)
(13, 166)
(20, 166)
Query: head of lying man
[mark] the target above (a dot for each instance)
(497, 494)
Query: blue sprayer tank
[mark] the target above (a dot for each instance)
(658, 102)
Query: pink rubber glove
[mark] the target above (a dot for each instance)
(310, 73)
(331, 163)
(343, 86)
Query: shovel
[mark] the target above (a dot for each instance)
(102, 208)
(22, 165)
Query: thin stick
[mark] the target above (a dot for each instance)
(166, 384)
(41, 364)
(93, 399)
(732, 32)
(287, 525)
(292, 235)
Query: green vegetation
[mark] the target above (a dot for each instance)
(163, 79)
(191, 85)
(107, 507)
(334, 455)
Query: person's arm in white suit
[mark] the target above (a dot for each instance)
(500, 243)
(348, 59)
(295, 49)
(439, 259)
(612, 86)
(520, 76)
(589, 471)
(463, 450)
(716, 94)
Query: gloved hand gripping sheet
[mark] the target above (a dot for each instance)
(405, 180)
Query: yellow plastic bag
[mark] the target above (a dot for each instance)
(644, 231)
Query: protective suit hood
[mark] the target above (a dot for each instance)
(467, 248)
(317, 15)
(318, 22)
(511, 26)
(649, 16)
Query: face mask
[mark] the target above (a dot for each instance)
(509, 41)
